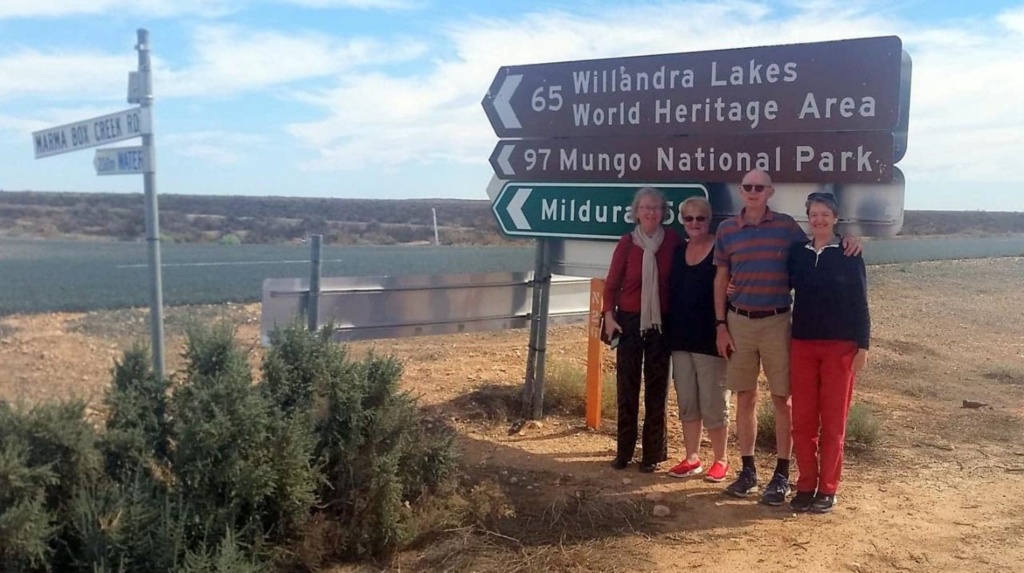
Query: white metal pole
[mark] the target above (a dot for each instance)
(156, 299)
(437, 241)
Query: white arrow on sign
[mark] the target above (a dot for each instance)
(515, 208)
(503, 106)
(127, 124)
(503, 162)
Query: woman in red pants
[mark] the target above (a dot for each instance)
(831, 328)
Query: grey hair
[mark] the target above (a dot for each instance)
(648, 192)
(700, 204)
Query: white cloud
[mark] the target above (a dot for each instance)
(62, 75)
(964, 119)
(219, 147)
(230, 59)
(1013, 19)
(157, 8)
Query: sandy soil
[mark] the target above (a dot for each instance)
(940, 491)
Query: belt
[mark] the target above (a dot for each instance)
(759, 313)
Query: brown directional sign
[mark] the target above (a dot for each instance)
(846, 157)
(847, 85)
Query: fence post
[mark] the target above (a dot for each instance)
(315, 272)
(595, 355)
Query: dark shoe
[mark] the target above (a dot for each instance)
(648, 468)
(619, 464)
(777, 490)
(744, 485)
(823, 503)
(801, 502)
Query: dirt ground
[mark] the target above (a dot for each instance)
(941, 490)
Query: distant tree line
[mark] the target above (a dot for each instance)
(199, 218)
(231, 219)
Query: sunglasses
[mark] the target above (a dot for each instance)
(698, 218)
(755, 188)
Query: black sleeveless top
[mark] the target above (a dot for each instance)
(691, 316)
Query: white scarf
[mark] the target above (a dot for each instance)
(650, 300)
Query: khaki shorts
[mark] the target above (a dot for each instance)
(759, 342)
(700, 388)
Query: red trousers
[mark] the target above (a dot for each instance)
(821, 384)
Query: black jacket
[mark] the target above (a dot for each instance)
(830, 299)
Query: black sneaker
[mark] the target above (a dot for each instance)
(823, 503)
(777, 490)
(801, 502)
(648, 468)
(619, 463)
(744, 485)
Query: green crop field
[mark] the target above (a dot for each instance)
(47, 275)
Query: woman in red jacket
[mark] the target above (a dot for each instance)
(635, 298)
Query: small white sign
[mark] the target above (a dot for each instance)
(101, 130)
(134, 87)
(122, 161)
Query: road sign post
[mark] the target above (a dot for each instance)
(156, 299)
(111, 128)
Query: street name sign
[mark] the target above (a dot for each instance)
(123, 161)
(102, 130)
(846, 85)
(579, 210)
(845, 157)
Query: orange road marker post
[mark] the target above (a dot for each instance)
(595, 355)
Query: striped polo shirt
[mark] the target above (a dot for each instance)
(756, 257)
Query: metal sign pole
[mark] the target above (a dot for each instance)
(544, 281)
(316, 256)
(156, 301)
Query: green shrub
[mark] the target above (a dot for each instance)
(326, 458)
(239, 462)
(137, 426)
(862, 427)
(377, 452)
(565, 389)
(230, 239)
(766, 424)
(26, 524)
(51, 457)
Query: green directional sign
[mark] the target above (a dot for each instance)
(579, 210)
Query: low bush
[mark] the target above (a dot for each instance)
(323, 459)
(565, 389)
(862, 427)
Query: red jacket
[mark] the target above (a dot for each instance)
(622, 287)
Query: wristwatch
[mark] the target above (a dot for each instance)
(720, 322)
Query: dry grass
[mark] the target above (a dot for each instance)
(565, 387)
(863, 428)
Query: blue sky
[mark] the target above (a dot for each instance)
(381, 98)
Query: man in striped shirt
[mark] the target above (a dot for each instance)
(753, 323)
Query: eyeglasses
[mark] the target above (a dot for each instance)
(650, 208)
(698, 218)
(755, 188)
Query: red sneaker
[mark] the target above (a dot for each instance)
(717, 472)
(686, 469)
